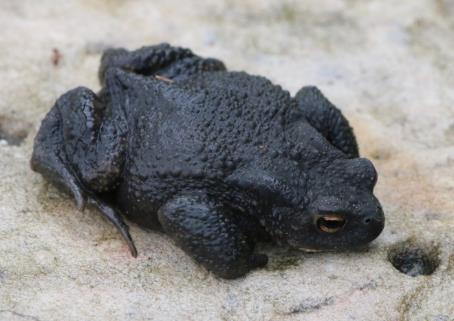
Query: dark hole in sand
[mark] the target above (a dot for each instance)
(414, 260)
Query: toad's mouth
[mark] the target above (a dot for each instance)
(309, 250)
(330, 223)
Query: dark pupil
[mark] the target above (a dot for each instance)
(331, 224)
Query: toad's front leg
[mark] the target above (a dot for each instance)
(208, 231)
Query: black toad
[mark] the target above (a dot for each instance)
(217, 159)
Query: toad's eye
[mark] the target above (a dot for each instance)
(330, 223)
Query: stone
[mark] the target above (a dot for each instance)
(386, 64)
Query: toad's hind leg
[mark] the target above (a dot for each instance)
(162, 61)
(328, 120)
(80, 149)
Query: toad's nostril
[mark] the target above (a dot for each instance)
(330, 223)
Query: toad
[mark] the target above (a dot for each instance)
(216, 159)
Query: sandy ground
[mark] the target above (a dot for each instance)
(387, 64)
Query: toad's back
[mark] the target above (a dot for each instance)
(204, 128)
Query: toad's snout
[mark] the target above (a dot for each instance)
(330, 215)
(374, 221)
(333, 223)
(370, 218)
(343, 224)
